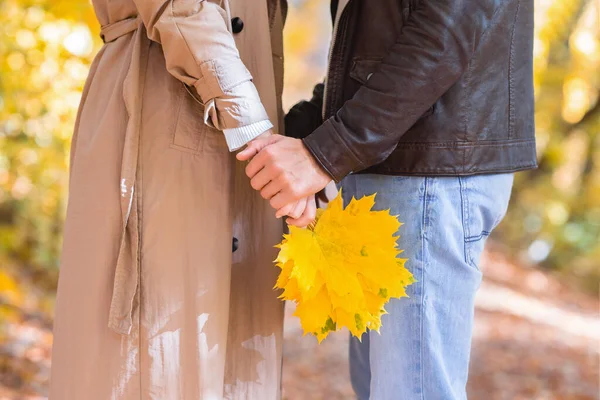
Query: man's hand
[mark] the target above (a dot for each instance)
(283, 170)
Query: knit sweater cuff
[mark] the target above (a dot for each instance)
(238, 137)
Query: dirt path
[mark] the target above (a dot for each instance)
(534, 339)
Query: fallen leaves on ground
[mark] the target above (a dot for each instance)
(540, 354)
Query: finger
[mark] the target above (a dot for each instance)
(251, 150)
(285, 210)
(307, 217)
(256, 145)
(270, 189)
(298, 209)
(261, 160)
(282, 198)
(261, 179)
(294, 210)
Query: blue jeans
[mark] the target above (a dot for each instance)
(423, 350)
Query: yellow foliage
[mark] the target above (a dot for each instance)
(9, 288)
(46, 47)
(10, 295)
(344, 269)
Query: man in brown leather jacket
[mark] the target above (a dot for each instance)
(429, 104)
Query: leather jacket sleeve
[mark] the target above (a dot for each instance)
(306, 116)
(430, 54)
(201, 52)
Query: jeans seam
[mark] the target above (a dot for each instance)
(423, 239)
(464, 202)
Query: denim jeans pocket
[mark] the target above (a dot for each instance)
(484, 201)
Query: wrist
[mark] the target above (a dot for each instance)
(318, 165)
(264, 135)
(237, 138)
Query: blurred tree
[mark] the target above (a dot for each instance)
(307, 33)
(554, 218)
(45, 49)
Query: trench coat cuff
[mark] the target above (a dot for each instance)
(219, 77)
(239, 108)
(238, 137)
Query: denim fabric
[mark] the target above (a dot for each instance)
(423, 350)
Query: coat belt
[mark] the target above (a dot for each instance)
(126, 287)
(111, 32)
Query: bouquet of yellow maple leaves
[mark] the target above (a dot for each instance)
(343, 269)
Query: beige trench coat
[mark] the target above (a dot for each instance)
(152, 303)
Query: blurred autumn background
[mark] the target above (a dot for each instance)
(538, 330)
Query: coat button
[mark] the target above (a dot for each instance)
(235, 244)
(237, 25)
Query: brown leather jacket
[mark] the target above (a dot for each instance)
(420, 87)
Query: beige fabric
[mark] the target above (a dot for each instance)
(151, 302)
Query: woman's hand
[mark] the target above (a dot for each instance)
(306, 217)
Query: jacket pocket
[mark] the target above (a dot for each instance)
(191, 134)
(363, 68)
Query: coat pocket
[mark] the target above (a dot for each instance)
(191, 134)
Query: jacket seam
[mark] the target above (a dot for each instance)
(486, 30)
(466, 99)
(470, 68)
(464, 145)
(511, 103)
(445, 172)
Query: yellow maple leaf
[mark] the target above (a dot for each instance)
(343, 269)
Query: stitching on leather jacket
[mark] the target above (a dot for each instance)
(511, 86)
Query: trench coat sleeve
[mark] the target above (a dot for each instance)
(200, 51)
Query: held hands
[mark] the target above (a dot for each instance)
(286, 174)
(301, 213)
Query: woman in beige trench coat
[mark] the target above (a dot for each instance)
(152, 303)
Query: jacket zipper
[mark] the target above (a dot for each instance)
(332, 49)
